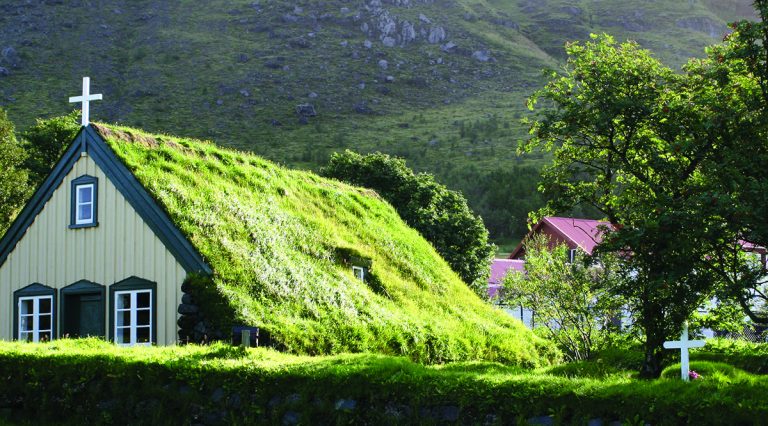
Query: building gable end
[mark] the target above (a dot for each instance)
(546, 225)
(87, 140)
(519, 251)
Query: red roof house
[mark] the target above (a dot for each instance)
(582, 234)
(577, 234)
(585, 234)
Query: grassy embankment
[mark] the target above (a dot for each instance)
(281, 243)
(90, 380)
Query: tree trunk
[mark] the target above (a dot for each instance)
(651, 368)
(652, 323)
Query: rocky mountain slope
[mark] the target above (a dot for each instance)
(441, 83)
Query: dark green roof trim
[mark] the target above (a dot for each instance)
(154, 216)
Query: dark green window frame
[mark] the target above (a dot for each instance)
(32, 290)
(132, 284)
(78, 288)
(81, 181)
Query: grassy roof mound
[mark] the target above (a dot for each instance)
(280, 243)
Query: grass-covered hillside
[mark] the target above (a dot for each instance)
(441, 83)
(281, 243)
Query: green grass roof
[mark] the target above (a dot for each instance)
(277, 240)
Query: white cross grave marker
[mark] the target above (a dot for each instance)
(684, 344)
(85, 99)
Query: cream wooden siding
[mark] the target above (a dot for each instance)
(121, 246)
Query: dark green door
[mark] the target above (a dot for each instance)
(84, 315)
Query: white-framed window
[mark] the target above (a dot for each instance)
(84, 204)
(133, 317)
(85, 208)
(35, 318)
(358, 272)
(571, 255)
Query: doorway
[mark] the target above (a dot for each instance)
(82, 310)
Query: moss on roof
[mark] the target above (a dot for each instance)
(280, 243)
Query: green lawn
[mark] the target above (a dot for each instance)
(83, 377)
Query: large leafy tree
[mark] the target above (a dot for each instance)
(739, 69)
(442, 216)
(637, 141)
(14, 189)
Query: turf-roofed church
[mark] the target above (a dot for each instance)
(93, 255)
(146, 238)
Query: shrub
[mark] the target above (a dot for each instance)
(751, 357)
(13, 176)
(442, 216)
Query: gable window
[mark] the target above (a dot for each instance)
(84, 202)
(359, 272)
(33, 319)
(133, 312)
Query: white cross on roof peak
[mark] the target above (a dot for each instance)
(85, 98)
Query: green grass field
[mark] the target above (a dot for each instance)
(385, 389)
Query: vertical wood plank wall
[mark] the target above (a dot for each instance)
(121, 246)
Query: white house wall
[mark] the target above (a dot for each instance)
(121, 246)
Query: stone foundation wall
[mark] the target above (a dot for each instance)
(194, 327)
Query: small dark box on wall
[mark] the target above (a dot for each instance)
(245, 336)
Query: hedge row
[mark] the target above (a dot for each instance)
(92, 382)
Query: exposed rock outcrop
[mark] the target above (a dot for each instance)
(380, 23)
(704, 25)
